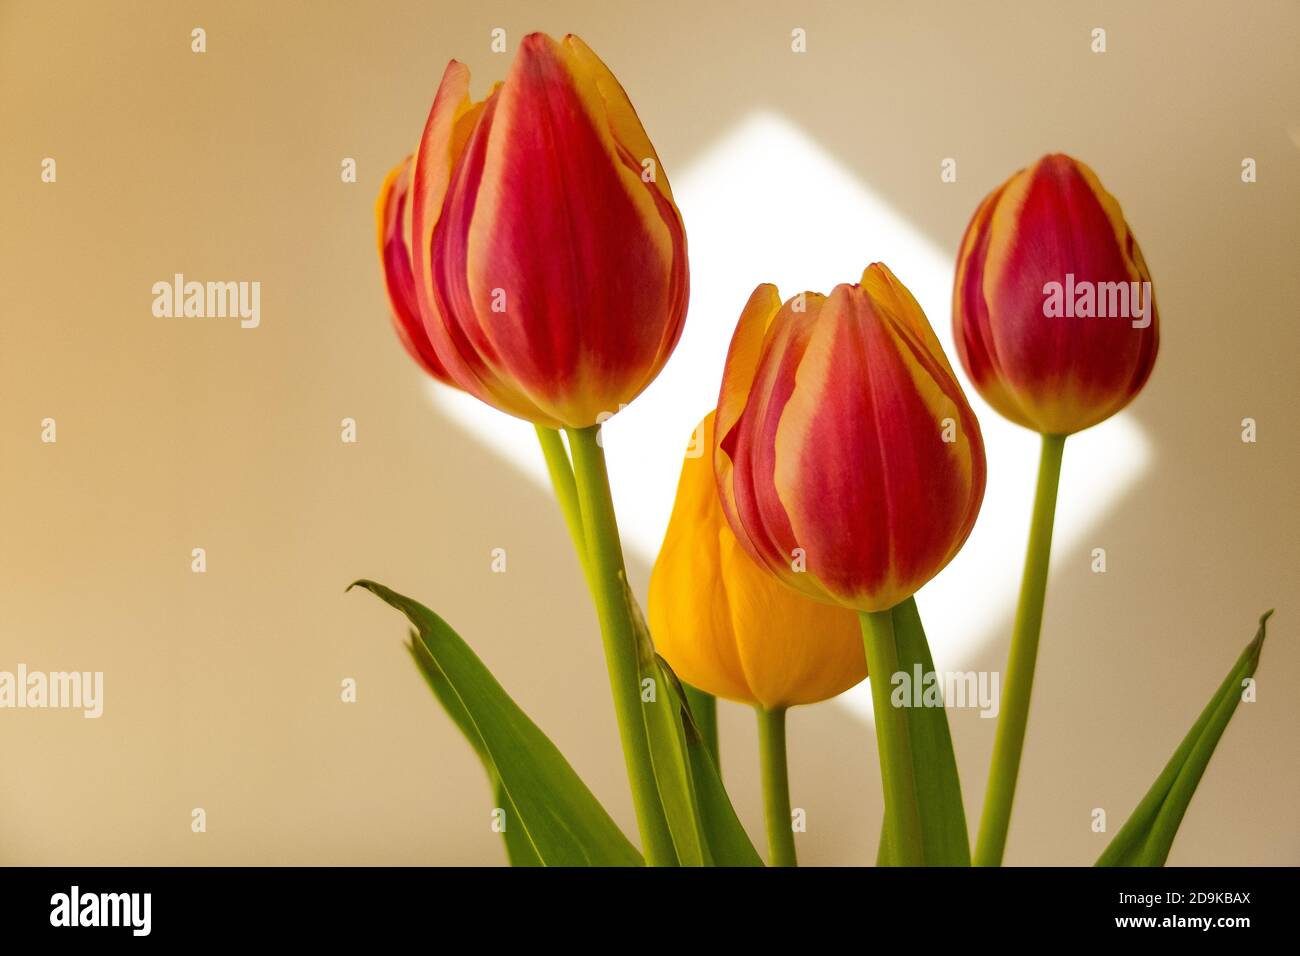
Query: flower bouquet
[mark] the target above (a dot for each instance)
(534, 258)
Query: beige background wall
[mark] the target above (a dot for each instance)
(222, 688)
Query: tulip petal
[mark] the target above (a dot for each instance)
(620, 116)
(743, 355)
(738, 372)
(972, 330)
(758, 515)
(686, 577)
(629, 138)
(793, 649)
(393, 213)
(469, 353)
(450, 120)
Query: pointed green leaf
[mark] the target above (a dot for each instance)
(704, 825)
(1147, 836)
(519, 850)
(704, 710)
(668, 751)
(943, 817)
(561, 819)
(729, 844)
(519, 846)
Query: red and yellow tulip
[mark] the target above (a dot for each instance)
(729, 627)
(1053, 311)
(847, 458)
(547, 256)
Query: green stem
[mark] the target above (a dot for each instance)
(776, 786)
(1009, 741)
(893, 741)
(606, 576)
(566, 491)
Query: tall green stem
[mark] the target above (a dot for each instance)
(893, 741)
(606, 576)
(566, 491)
(776, 786)
(1009, 741)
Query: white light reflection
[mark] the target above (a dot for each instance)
(766, 204)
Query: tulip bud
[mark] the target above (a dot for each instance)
(394, 215)
(549, 257)
(729, 627)
(848, 460)
(1053, 309)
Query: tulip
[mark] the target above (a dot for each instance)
(728, 627)
(1052, 308)
(1056, 324)
(549, 258)
(848, 461)
(548, 266)
(850, 465)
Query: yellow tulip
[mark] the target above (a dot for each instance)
(730, 627)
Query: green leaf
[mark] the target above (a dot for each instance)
(519, 845)
(729, 844)
(519, 849)
(1147, 836)
(668, 751)
(703, 823)
(554, 813)
(704, 710)
(943, 817)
